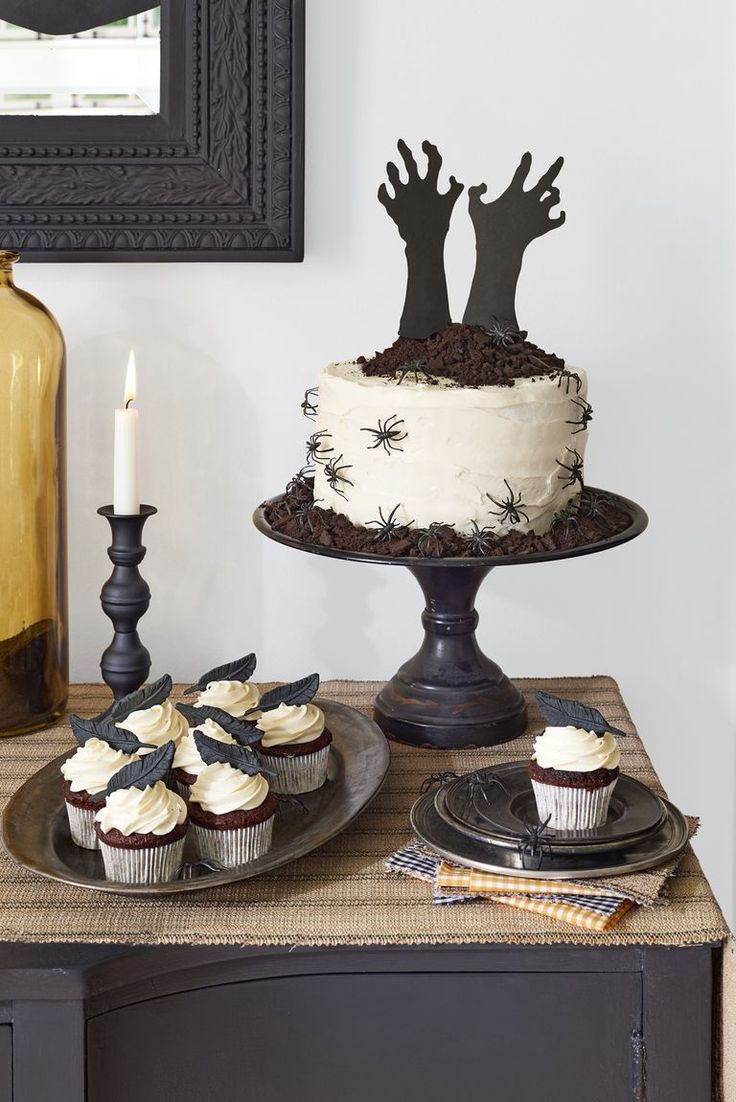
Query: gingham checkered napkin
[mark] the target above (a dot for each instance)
(578, 904)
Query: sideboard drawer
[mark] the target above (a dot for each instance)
(564, 1037)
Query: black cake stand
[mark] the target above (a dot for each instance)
(450, 694)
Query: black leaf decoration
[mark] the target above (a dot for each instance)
(105, 729)
(147, 697)
(244, 733)
(144, 771)
(297, 692)
(213, 752)
(571, 713)
(239, 670)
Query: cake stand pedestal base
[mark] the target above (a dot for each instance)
(450, 694)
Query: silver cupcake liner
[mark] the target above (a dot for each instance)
(82, 826)
(148, 865)
(183, 790)
(295, 775)
(572, 808)
(234, 847)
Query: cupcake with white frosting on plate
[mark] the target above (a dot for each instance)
(231, 805)
(228, 687)
(188, 762)
(295, 745)
(86, 774)
(143, 824)
(156, 725)
(574, 766)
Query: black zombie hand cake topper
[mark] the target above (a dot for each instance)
(503, 227)
(422, 214)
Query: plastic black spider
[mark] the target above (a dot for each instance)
(502, 333)
(595, 503)
(478, 789)
(388, 434)
(510, 508)
(191, 870)
(300, 481)
(568, 520)
(430, 541)
(481, 540)
(562, 374)
(316, 450)
(334, 475)
(387, 526)
(437, 778)
(309, 406)
(574, 469)
(304, 513)
(586, 415)
(536, 844)
(415, 368)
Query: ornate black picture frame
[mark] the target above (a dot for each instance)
(217, 175)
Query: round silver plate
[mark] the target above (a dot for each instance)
(499, 812)
(662, 844)
(35, 829)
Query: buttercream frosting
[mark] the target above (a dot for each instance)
(461, 444)
(157, 725)
(152, 810)
(575, 751)
(187, 755)
(291, 724)
(90, 768)
(220, 788)
(234, 697)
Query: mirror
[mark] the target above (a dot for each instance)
(113, 69)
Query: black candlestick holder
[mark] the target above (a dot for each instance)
(125, 596)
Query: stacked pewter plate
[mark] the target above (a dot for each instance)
(488, 820)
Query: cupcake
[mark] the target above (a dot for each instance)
(574, 765)
(231, 806)
(295, 745)
(141, 828)
(188, 763)
(234, 697)
(228, 687)
(156, 725)
(87, 773)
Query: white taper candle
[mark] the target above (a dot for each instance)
(126, 495)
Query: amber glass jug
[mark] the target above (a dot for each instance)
(34, 680)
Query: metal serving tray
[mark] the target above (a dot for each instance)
(35, 829)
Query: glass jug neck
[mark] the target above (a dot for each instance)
(7, 259)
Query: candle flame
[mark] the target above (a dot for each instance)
(130, 380)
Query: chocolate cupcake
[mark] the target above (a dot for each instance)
(228, 687)
(141, 828)
(231, 807)
(86, 774)
(575, 766)
(295, 746)
(188, 763)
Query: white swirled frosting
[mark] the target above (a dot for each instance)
(187, 755)
(152, 810)
(234, 697)
(91, 767)
(461, 443)
(291, 724)
(220, 788)
(575, 751)
(157, 725)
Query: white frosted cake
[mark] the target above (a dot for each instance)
(502, 456)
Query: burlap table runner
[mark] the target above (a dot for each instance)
(341, 894)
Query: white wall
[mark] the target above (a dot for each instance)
(637, 287)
